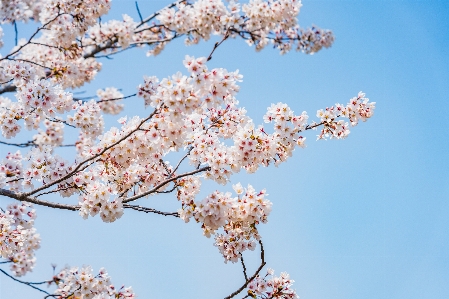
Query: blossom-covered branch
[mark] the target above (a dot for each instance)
(195, 113)
(259, 23)
(79, 283)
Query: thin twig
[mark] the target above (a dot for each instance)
(33, 199)
(112, 53)
(45, 45)
(150, 210)
(217, 44)
(180, 161)
(54, 191)
(30, 284)
(55, 120)
(244, 267)
(28, 143)
(168, 191)
(138, 11)
(29, 61)
(16, 31)
(116, 99)
(262, 264)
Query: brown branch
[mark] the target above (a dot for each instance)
(116, 99)
(55, 120)
(150, 210)
(244, 267)
(217, 44)
(56, 190)
(26, 144)
(29, 61)
(32, 284)
(168, 191)
(45, 45)
(180, 161)
(8, 88)
(23, 197)
(262, 264)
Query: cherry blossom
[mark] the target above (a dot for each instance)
(83, 283)
(271, 286)
(53, 134)
(18, 237)
(195, 114)
(88, 118)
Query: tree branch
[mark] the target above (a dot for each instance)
(23, 197)
(26, 144)
(32, 199)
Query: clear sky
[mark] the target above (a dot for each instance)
(366, 217)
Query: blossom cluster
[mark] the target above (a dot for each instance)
(10, 114)
(259, 22)
(271, 286)
(19, 10)
(37, 99)
(84, 284)
(40, 99)
(71, 18)
(237, 216)
(18, 237)
(113, 31)
(17, 71)
(66, 66)
(358, 108)
(52, 136)
(43, 167)
(65, 51)
(96, 201)
(88, 118)
(11, 171)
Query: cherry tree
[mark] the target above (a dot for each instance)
(194, 112)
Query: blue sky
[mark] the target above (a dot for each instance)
(365, 217)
